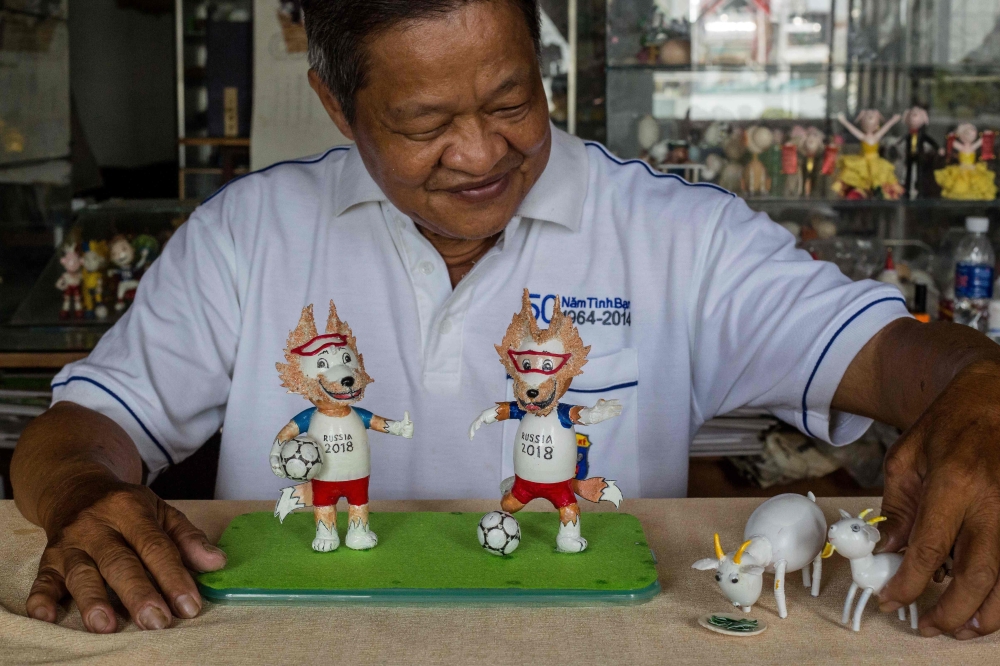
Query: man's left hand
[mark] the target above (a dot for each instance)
(942, 497)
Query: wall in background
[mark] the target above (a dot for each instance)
(122, 79)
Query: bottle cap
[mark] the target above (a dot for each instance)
(977, 225)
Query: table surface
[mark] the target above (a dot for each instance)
(665, 629)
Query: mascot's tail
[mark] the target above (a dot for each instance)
(597, 488)
(292, 498)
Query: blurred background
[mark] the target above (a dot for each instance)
(117, 117)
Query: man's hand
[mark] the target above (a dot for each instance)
(123, 535)
(942, 492)
(488, 416)
(939, 384)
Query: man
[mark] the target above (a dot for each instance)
(458, 195)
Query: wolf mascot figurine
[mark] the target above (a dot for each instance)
(543, 364)
(328, 371)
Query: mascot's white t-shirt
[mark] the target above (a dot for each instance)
(342, 442)
(693, 305)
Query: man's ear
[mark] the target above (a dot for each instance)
(331, 104)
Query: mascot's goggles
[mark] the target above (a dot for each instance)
(319, 343)
(543, 363)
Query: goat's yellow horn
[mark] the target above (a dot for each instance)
(876, 519)
(828, 550)
(864, 513)
(719, 553)
(739, 553)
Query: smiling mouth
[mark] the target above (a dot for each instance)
(483, 190)
(539, 405)
(339, 396)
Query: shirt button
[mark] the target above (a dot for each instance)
(446, 327)
(425, 267)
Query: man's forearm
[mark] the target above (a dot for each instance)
(901, 371)
(65, 454)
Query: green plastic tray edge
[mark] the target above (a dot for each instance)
(408, 596)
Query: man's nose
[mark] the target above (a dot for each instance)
(347, 381)
(476, 149)
(532, 393)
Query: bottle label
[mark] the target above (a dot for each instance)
(973, 281)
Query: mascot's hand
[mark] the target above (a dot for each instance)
(488, 416)
(276, 465)
(602, 411)
(402, 428)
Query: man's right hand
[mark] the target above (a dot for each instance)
(77, 475)
(122, 532)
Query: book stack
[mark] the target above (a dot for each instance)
(738, 433)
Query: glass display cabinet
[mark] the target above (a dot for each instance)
(747, 94)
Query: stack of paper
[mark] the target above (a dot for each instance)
(738, 433)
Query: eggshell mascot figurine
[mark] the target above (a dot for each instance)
(543, 364)
(783, 534)
(855, 539)
(329, 372)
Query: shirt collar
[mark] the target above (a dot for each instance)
(558, 195)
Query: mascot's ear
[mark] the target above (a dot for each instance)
(304, 331)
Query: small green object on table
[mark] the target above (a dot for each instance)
(427, 557)
(728, 623)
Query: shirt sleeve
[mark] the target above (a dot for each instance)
(366, 416)
(163, 371)
(515, 411)
(304, 418)
(772, 328)
(564, 417)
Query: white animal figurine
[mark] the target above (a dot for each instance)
(783, 534)
(855, 539)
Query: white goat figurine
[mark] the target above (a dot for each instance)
(783, 534)
(855, 539)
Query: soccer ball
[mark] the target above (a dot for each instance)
(300, 457)
(499, 533)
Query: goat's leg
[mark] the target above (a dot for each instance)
(817, 574)
(779, 587)
(913, 616)
(847, 603)
(860, 608)
(806, 578)
(902, 613)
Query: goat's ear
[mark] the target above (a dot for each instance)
(706, 564)
(844, 514)
(754, 569)
(872, 533)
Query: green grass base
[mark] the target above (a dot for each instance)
(426, 555)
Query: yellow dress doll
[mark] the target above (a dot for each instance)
(969, 179)
(867, 175)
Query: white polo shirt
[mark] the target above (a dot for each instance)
(692, 303)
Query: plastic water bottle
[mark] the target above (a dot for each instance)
(974, 261)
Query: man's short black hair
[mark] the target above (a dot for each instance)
(339, 31)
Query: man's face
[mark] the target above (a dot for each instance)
(453, 124)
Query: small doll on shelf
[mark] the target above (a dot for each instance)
(868, 175)
(812, 164)
(790, 162)
(921, 152)
(94, 262)
(969, 179)
(69, 283)
(755, 181)
(326, 446)
(542, 364)
(126, 270)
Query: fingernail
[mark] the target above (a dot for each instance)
(41, 613)
(974, 622)
(215, 550)
(965, 634)
(187, 607)
(152, 617)
(98, 620)
(889, 606)
(930, 632)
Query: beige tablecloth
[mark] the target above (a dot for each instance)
(664, 630)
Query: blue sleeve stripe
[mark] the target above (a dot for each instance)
(805, 393)
(563, 411)
(515, 410)
(114, 395)
(303, 419)
(654, 174)
(366, 416)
